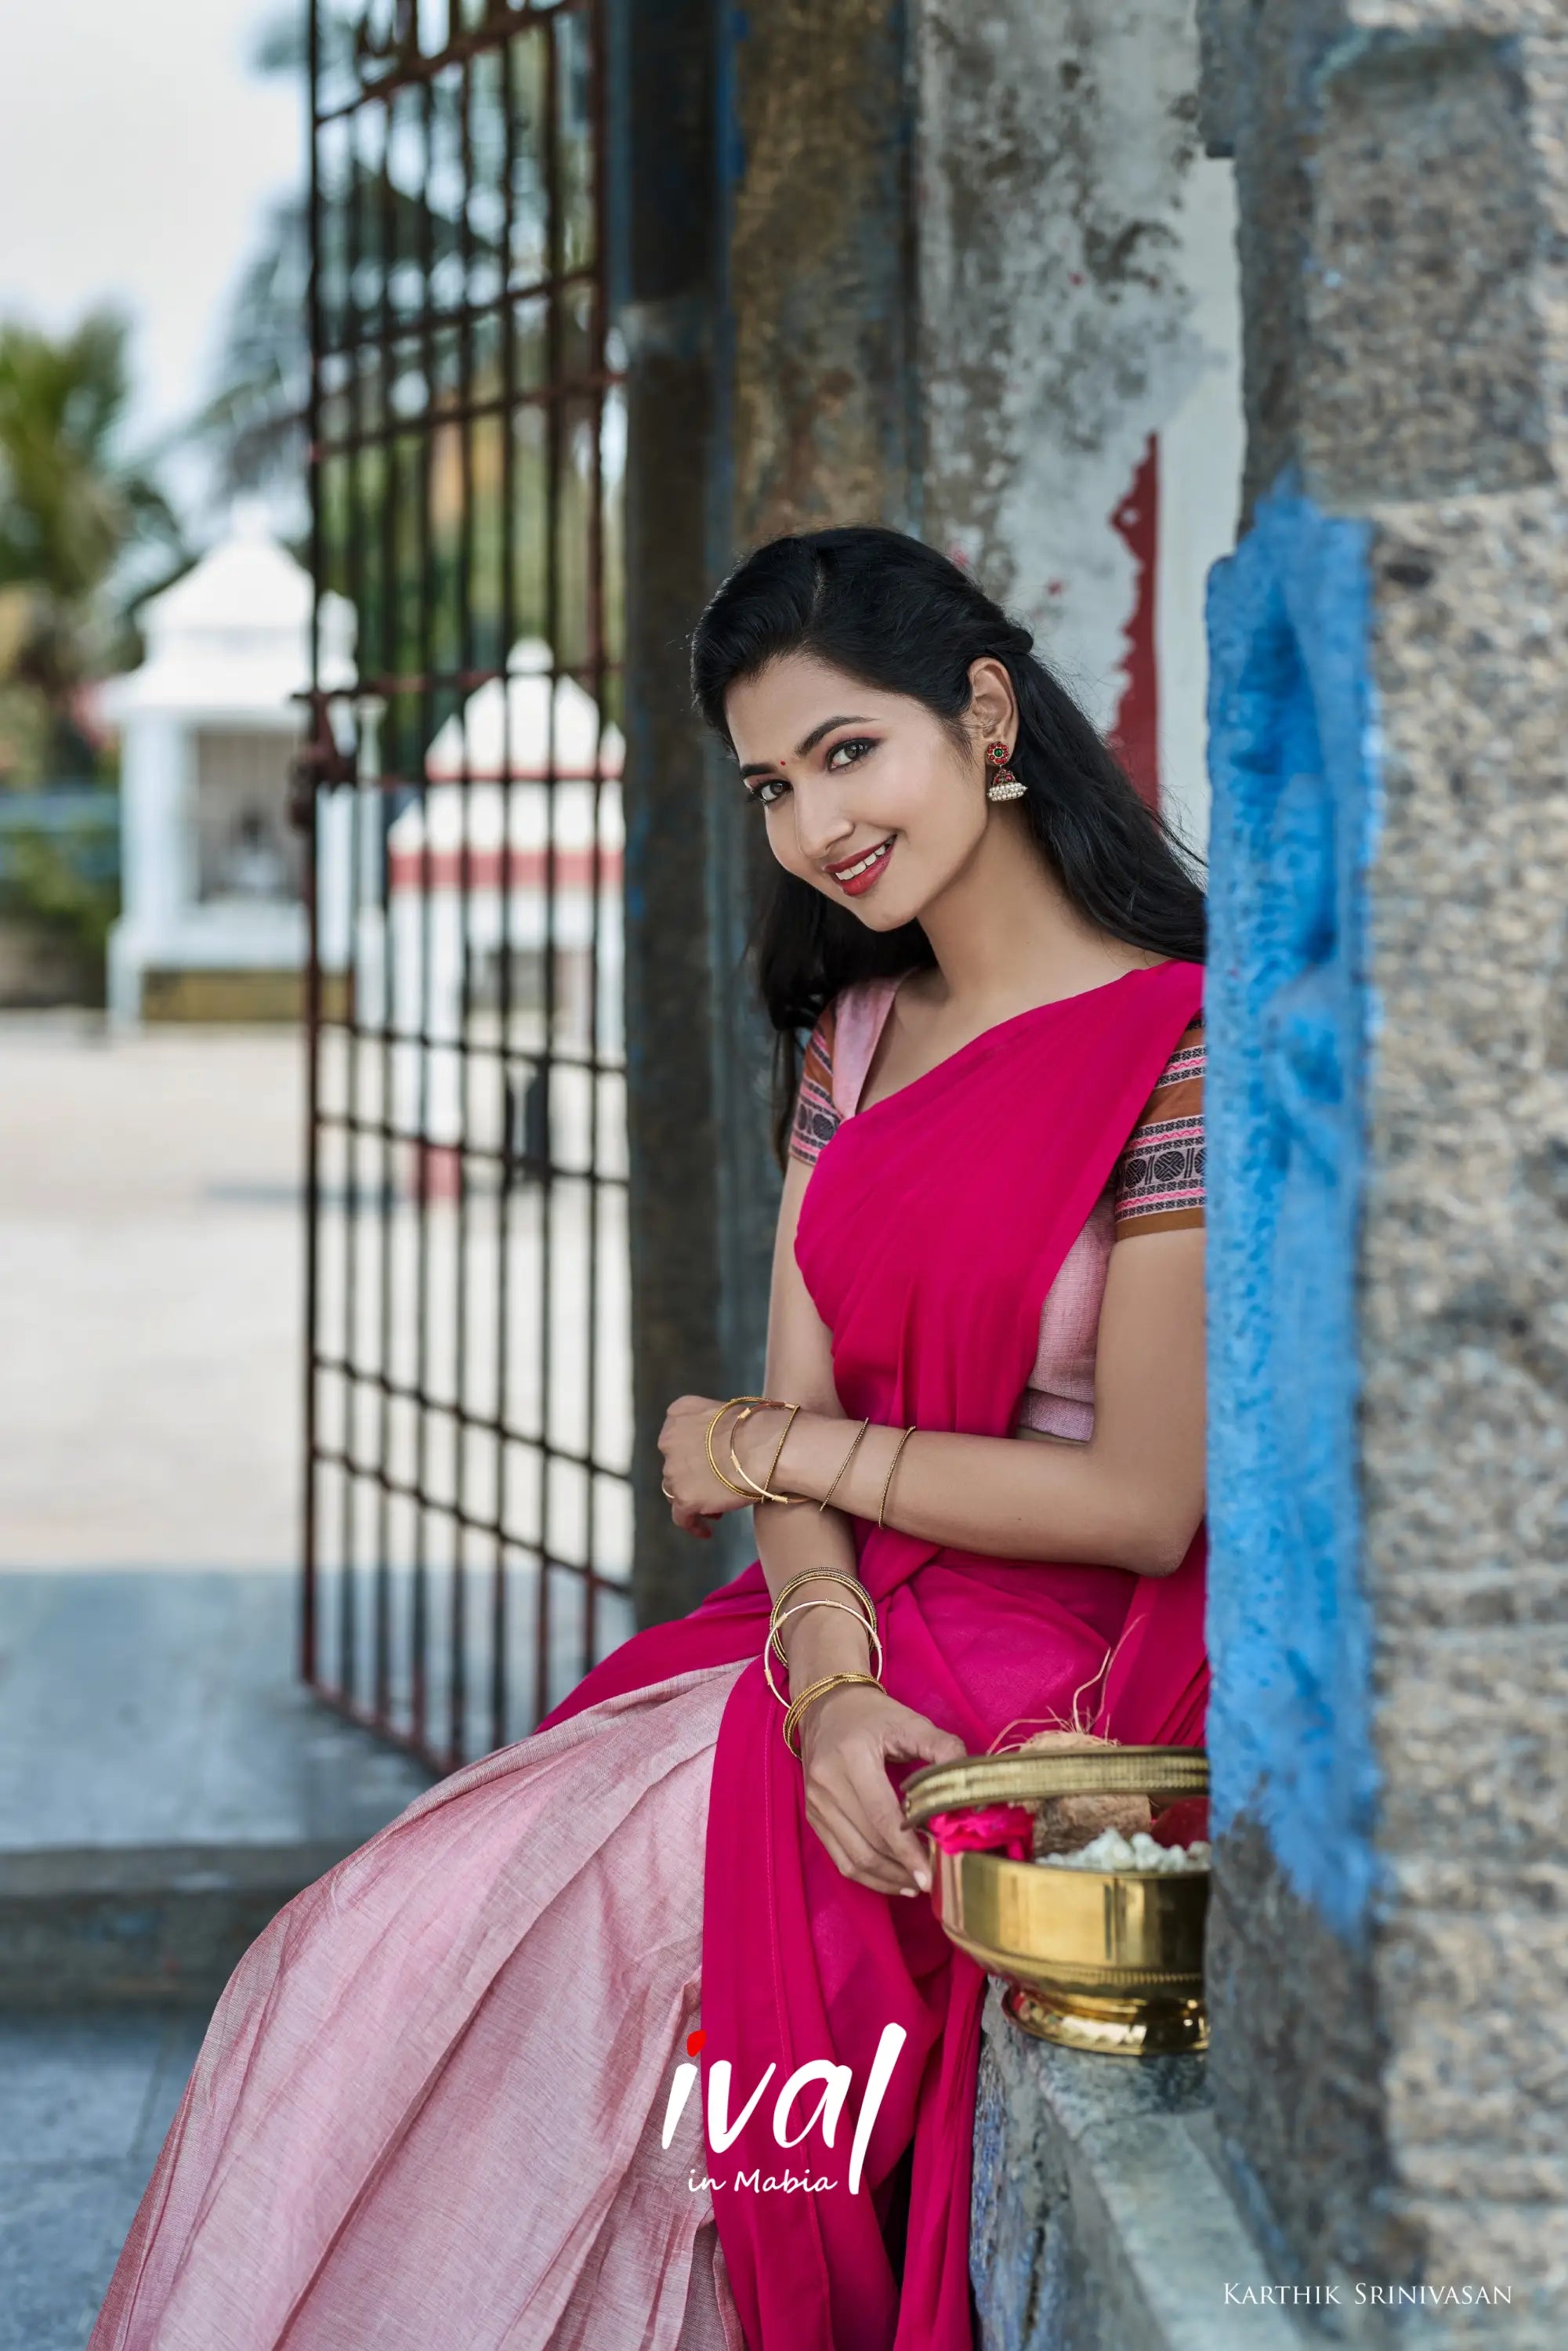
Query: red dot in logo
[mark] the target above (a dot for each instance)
(693, 2043)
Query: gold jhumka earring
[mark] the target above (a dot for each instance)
(1004, 785)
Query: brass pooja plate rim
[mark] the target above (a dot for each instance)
(1163, 1772)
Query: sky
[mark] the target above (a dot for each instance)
(138, 151)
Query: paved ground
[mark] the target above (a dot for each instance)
(151, 1265)
(149, 1709)
(84, 2104)
(164, 1783)
(152, 1260)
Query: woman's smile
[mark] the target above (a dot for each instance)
(857, 874)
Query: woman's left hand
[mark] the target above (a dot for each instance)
(695, 1492)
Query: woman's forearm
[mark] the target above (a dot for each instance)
(1006, 1496)
(790, 1542)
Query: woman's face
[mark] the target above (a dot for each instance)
(847, 774)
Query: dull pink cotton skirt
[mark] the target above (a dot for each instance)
(427, 2113)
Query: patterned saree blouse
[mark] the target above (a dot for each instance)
(1156, 1186)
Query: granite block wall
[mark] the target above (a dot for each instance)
(1389, 1107)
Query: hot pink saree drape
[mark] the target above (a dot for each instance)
(374, 2148)
(931, 1231)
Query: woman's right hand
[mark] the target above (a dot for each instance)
(848, 1737)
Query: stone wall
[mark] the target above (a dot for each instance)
(1098, 2218)
(1390, 1113)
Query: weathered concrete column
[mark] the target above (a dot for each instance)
(817, 238)
(1079, 349)
(967, 272)
(764, 234)
(665, 248)
(1389, 1121)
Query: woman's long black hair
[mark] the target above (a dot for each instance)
(891, 611)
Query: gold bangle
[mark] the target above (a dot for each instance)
(775, 1630)
(813, 1576)
(773, 1464)
(825, 1575)
(847, 1459)
(713, 1465)
(819, 1689)
(870, 1631)
(763, 1493)
(891, 1467)
(775, 1639)
(712, 1424)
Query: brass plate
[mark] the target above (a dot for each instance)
(1109, 1931)
(1166, 2030)
(1163, 1772)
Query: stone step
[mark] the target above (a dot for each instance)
(162, 1923)
(166, 1784)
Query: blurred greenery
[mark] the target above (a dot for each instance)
(73, 507)
(48, 878)
(440, 477)
(59, 878)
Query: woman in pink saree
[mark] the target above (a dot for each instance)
(433, 2108)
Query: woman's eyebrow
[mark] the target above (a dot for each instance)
(806, 743)
(811, 741)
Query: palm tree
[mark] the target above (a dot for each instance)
(71, 508)
(413, 525)
(397, 245)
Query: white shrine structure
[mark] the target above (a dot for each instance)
(213, 923)
(497, 859)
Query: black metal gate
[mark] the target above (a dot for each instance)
(467, 1520)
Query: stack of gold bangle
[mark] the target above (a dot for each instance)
(744, 1484)
(865, 1614)
(750, 1489)
(797, 1707)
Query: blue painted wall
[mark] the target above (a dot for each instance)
(1292, 756)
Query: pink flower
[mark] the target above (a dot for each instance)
(993, 1828)
(1181, 1822)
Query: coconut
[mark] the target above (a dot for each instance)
(1066, 1823)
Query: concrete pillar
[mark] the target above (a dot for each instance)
(667, 301)
(819, 247)
(157, 858)
(964, 271)
(1079, 352)
(761, 234)
(1388, 1108)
